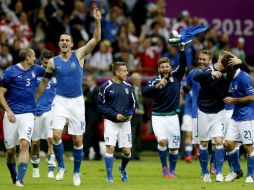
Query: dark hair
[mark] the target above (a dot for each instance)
(65, 33)
(23, 53)
(206, 52)
(116, 65)
(163, 60)
(47, 54)
(225, 60)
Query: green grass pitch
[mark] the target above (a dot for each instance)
(143, 175)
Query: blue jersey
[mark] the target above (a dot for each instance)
(116, 99)
(166, 99)
(242, 86)
(212, 91)
(21, 87)
(45, 101)
(69, 76)
(195, 87)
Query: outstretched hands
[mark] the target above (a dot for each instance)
(233, 61)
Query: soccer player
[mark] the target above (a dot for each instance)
(17, 96)
(213, 89)
(43, 118)
(165, 90)
(242, 120)
(116, 102)
(69, 101)
(203, 61)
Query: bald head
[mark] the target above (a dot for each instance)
(136, 79)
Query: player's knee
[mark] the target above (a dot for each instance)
(10, 152)
(163, 143)
(218, 141)
(127, 152)
(110, 149)
(56, 138)
(204, 144)
(248, 148)
(229, 146)
(24, 145)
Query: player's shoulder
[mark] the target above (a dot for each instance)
(12, 70)
(127, 84)
(106, 84)
(154, 79)
(244, 75)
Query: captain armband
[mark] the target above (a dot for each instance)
(48, 75)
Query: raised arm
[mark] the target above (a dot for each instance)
(180, 70)
(47, 76)
(86, 49)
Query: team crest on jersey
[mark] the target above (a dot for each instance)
(235, 87)
(126, 90)
(73, 65)
(33, 74)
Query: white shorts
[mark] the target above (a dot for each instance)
(21, 129)
(70, 110)
(195, 139)
(241, 131)
(227, 119)
(167, 127)
(117, 132)
(187, 124)
(42, 128)
(210, 125)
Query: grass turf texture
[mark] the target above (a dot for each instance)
(145, 174)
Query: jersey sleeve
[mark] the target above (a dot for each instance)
(188, 79)
(7, 78)
(40, 71)
(248, 86)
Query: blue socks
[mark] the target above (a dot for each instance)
(78, 157)
(163, 155)
(219, 158)
(203, 159)
(59, 151)
(22, 167)
(173, 157)
(109, 164)
(250, 164)
(125, 161)
(12, 169)
(233, 160)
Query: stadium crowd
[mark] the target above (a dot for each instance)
(133, 31)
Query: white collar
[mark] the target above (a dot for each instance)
(237, 73)
(21, 67)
